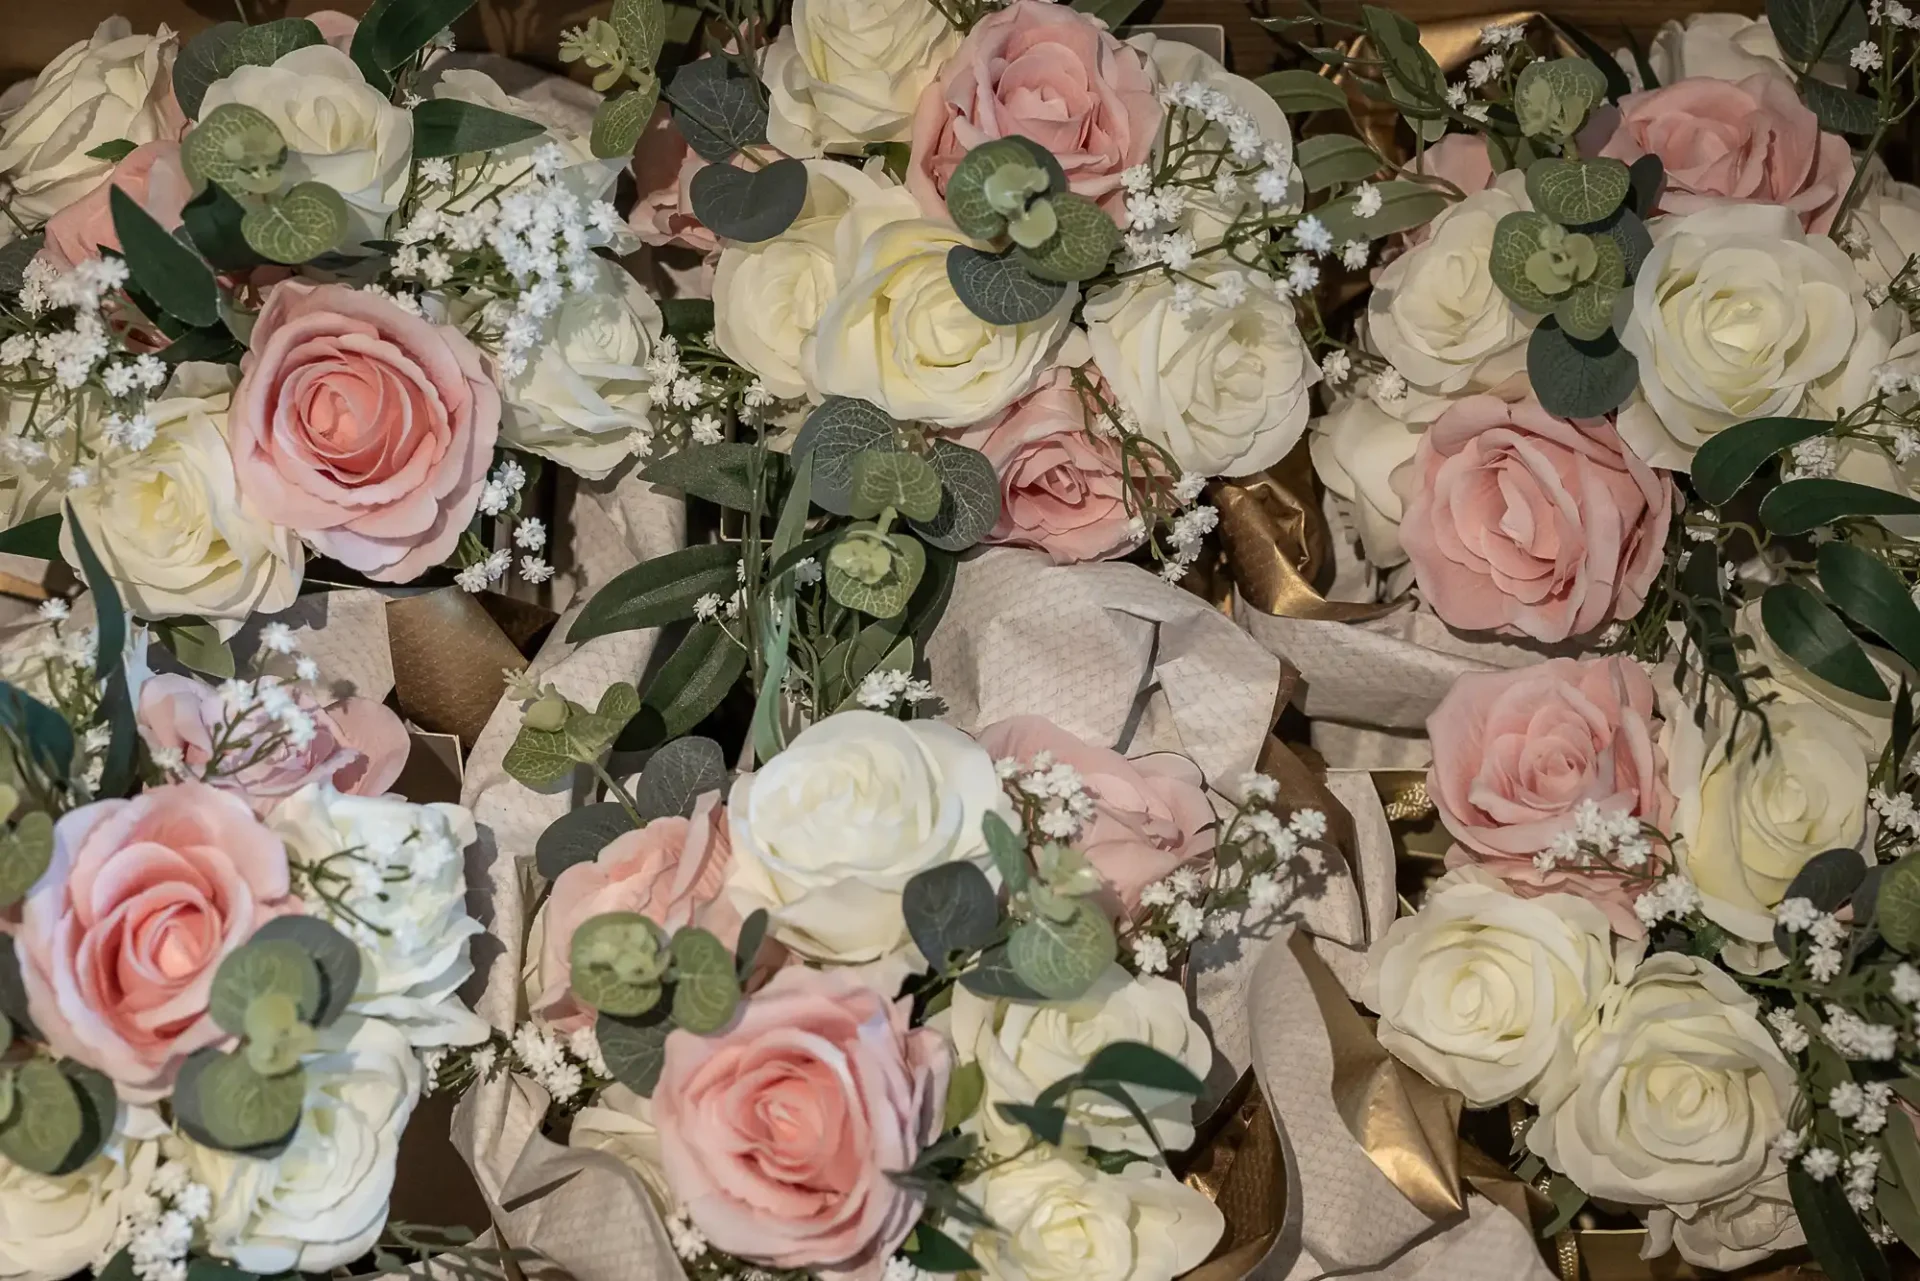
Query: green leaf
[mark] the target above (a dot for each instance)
(634, 1049)
(1048, 1124)
(891, 594)
(1414, 80)
(1331, 159)
(935, 1251)
(1303, 91)
(1903, 1198)
(109, 666)
(43, 731)
(965, 1088)
(617, 963)
(619, 122)
(993, 976)
(1516, 238)
(678, 775)
(164, 269)
(832, 437)
(235, 1108)
(578, 836)
(1403, 206)
(238, 147)
(749, 205)
(99, 1113)
(335, 955)
(893, 478)
(642, 28)
(1866, 590)
(1840, 110)
(1573, 192)
(402, 28)
(198, 65)
(264, 43)
(1839, 1243)
(950, 908)
(450, 127)
(706, 989)
(1897, 910)
(719, 107)
(1081, 245)
(1796, 506)
(1730, 457)
(1613, 77)
(588, 737)
(299, 225)
(969, 498)
(1135, 1063)
(1809, 30)
(967, 202)
(1827, 880)
(538, 758)
(112, 152)
(794, 512)
(998, 289)
(1577, 379)
(688, 686)
(746, 948)
(264, 967)
(46, 1122)
(658, 591)
(1802, 624)
(1061, 959)
(721, 473)
(768, 735)
(197, 644)
(14, 257)
(1008, 850)
(212, 220)
(1587, 312)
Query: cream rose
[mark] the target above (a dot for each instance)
(1738, 313)
(339, 130)
(1749, 820)
(54, 1227)
(170, 525)
(1725, 46)
(767, 297)
(1436, 315)
(415, 936)
(1482, 991)
(620, 1123)
(1356, 451)
(479, 176)
(1063, 1220)
(1786, 679)
(845, 73)
(1890, 218)
(827, 834)
(1222, 387)
(582, 398)
(1023, 1047)
(1675, 1095)
(113, 86)
(1729, 1234)
(322, 1202)
(896, 333)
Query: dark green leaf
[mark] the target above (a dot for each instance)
(678, 775)
(164, 269)
(578, 836)
(1826, 880)
(688, 686)
(1897, 910)
(994, 976)
(112, 152)
(686, 318)
(1333, 159)
(336, 955)
(450, 127)
(1730, 457)
(966, 194)
(1796, 506)
(1008, 850)
(1868, 591)
(1618, 86)
(1049, 1124)
(1840, 110)
(996, 288)
(634, 1049)
(1576, 379)
(1135, 1063)
(403, 29)
(746, 948)
(43, 731)
(950, 908)
(832, 437)
(719, 107)
(706, 989)
(362, 48)
(1403, 206)
(1628, 231)
(197, 644)
(1810, 633)
(1303, 91)
(749, 205)
(934, 1251)
(1810, 30)
(720, 473)
(109, 664)
(969, 499)
(221, 1102)
(658, 591)
(1839, 1243)
(198, 65)
(766, 731)
(46, 1121)
(212, 220)
(39, 537)
(26, 849)
(1648, 175)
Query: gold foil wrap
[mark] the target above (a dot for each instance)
(449, 661)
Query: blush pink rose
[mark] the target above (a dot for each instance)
(1749, 140)
(151, 174)
(1150, 814)
(1516, 753)
(663, 169)
(358, 745)
(119, 940)
(1048, 73)
(1060, 486)
(1528, 524)
(365, 429)
(336, 28)
(671, 871)
(778, 1133)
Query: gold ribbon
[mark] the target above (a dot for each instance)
(1239, 1166)
(449, 661)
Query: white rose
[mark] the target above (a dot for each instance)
(1436, 315)
(1889, 217)
(767, 297)
(477, 177)
(115, 85)
(339, 130)
(53, 1227)
(1724, 46)
(845, 73)
(1748, 821)
(896, 333)
(1744, 1228)
(322, 1202)
(1222, 388)
(1738, 313)
(827, 834)
(1482, 990)
(415, 936)
(169, 521)
(582, 398)
(1062, 1220)
(620, 1123)
(1023, 1047)
(1356, 451)
(1675, 1096)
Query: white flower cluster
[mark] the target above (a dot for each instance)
(1671, 898)
(1598, 837)
(1896, 810)
(1812, 458)
(1186, 537)
(1201, 120)
(500, 494)
(1856, 1038)
(882, 690)
(156, 1226)
(1799, 915)
(1064, 803)
(558, 1067)
(267, 699)
(687, 1240)
(1864, 1105)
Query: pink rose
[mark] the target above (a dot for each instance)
(358, 745)
(671, 871)
(336, 28)
(1150, 814)
(1060, 486)
(778, 1132)
(1047, 73)
(1516, 753)
(1749, 140)
(1524, 523)
(365, 429)
(151, 174)
(119, 940)
(663, 169)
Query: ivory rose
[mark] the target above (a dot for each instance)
(358, 745)
(778, 1132)
(671, 871)
(54, 1226)
(366, 429)
(115, 85)
(1150, 815)
(1045, 72)
(1620, 1123)
(846, 73)
(1520, 522)
(151, 175)
(1729, 1234)
(1058, 1219)
(1728, 46)
(1516, 753)
(1357, 451)
(1746, 140)
(119, 940)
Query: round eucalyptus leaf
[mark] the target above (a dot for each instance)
(833, 436)
(1573, 192)
(969, 498)
(634, 1049)
(618, 961)
(335, 955)
(238, 147)
(999, 289)
(242, 1109)
(1061, 959)
(306, 221)
(1516, 239)
(1577, 378)
(1587, 312)
(620, 121)
(967, 194)
(706, 988)
(264, 967)
(1081, 247)
(642, 27)
(719, 107)
(46, 1122)
(894, 478)
(25, 851)
(888, 597)
(749, 205)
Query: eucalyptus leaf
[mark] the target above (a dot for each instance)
(749, 205)
(617, 962)
(966, 193)
(336, 956)
(397, 30)
(1840, 110)
(1827, 880)
(619, 121)
(578, 836)
(1082, 244)
(1334, 159)
(832, 437)
(642, 28)
(1579, 379)
(1897, 909)
(263, 967)
(934, 1251)
(450, 127)
(238, 147)
(212, 221)
(46, 1121)
(678, 775)
(1864, 588)
(197, 644)
(1000, 290)
(969, 498)
(688, 686)
(1061, 959)
(1810, 633)
(950, 908)
(1302, 91)
(198, 65)
(658, 591)
(301, 224)
(241, 1109)
(1517, 237)
(894, 478)
(889, 596)
(634, 1049)
(1008, 850)
(706, 988)
(26, 849)
(719, 107)
(993, 976)
(1811, 30)
(1587, 312)
(1796, 506)
(1574, 192)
